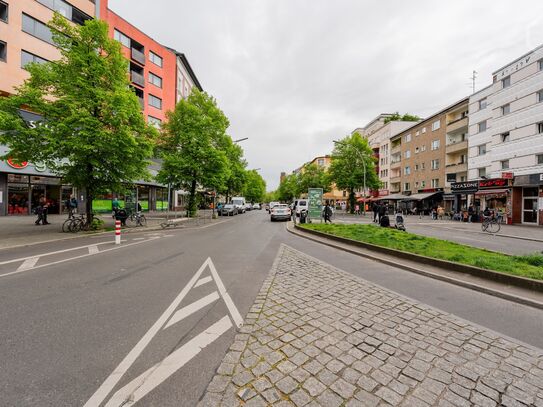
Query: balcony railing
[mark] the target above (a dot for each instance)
(457, 146)
(138, 56)
(137, 78)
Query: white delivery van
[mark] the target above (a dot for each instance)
(239, 202)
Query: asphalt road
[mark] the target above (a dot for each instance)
(93, 325)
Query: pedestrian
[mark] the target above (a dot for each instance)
(440, 212)
(382, 212)
(41, 211)
(293, 211)
(471, 211)
(71, 206)
(357, 209)
(327, 213)
(375, 212)
(115, 205)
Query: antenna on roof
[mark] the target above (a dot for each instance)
(473, 77)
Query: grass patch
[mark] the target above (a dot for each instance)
(530, 266)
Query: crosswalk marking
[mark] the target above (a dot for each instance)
(202, 281)
(192, 308)
(144, 383)
(28, 263)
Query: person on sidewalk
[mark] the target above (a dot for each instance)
(327, 213)
(375, 212)
(471, 211)
(382, 212)
(41, 211)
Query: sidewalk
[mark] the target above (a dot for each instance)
(22, 230)
(318, 336)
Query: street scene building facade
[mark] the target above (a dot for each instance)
(160, 77)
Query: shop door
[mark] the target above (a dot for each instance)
(529, 206)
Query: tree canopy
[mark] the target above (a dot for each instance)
(406, 117)
(255, 187)
(351, 159)
(93, 134)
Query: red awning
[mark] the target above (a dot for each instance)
(502, 191)
(364, 199)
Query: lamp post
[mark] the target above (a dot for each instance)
(240, 139)
(364, 166)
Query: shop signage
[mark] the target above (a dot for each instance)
(507, 175)
(464, 187)
(531, 179)
(493, 183)
(40, 167)
(430, 190)
(383, 192)
(17, 165)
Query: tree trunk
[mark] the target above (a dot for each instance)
(90, 197)
(351, 200)
(192, 199)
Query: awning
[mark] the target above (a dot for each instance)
(502, 191)
(393, 197)
(420, 197)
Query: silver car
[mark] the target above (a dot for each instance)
(280, 211)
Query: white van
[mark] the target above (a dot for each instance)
(301, 205)
(239, 202)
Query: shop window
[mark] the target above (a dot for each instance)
(3, 12)
(504, 164)
(505, 137)
(3, 51)
(506, 82)
(539, 158)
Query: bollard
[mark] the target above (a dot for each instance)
(117, 232)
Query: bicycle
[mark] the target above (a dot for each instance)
(75, 224)
(490, 224)
(138, 219)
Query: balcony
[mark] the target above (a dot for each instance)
(137, 78)
(395, 178)
(456, 168)
(138, 56)
(457, 124)
(456, 147)
(396, 164)
(396, 149)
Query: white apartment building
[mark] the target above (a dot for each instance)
(506, 140)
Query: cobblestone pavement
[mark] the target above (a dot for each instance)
(318, 336)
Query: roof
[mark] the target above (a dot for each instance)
(185, 62)
(518, 59)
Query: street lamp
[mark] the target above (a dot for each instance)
(241, 139)
(364, 165)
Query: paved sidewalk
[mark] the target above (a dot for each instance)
(318, 336)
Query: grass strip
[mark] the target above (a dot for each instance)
(530, 266)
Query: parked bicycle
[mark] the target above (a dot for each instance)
(75, 224)
(491, 224)
(137, 219)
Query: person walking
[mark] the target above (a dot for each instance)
(471, 211)
(375, 212)
(327, 213)
(382, 212)
(41, 211)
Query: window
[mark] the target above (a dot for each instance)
(435, 164)
(504, 164)
(417, 133)
(540, 96)
(155, 80)
(435, 183)
(482, 126)
(320, 162)
(416, 167)
(423, 130)
(506, 109)
(422, 166)
(406, 186)
(539, 128)
(423, 148)
(37, 29)
(3, 12)
(482, 172)
(123, 39)
(3, 51)
(407, 171)
(407, 154)
(435, 144)
(481, 150)
(539, 158)
(540, 62)
(408, 138)
(423, 184)
(436, 125)
(482, 104)
(505, 137)
(155, 102)
(153, 121)
(506, 82)
(67, 10)
(27, 57)
(416, 184)
(155, 59)
(417, 150)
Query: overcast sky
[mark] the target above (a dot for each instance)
(293, 75)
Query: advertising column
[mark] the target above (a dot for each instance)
(315, 203)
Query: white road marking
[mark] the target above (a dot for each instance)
(28, 264)
(139, 238)
(143, 384)
(203, 281)
(192, 308)
(238, 320)
(108, 385)
(93, 249)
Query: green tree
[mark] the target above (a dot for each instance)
(288, 188)
(313, 176)
(93, 134)
(270, 196)
(237, 176)
(255, 187)
(347, 168)
(406, 117)
(192, 146)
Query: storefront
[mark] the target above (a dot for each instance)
(528, 199)
(495, 194)
(461, 192)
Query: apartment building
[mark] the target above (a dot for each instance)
(418, 158)
(335, 194)
(185, 77)
(506, 141)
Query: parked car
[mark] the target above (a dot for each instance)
(280, 211)
(300, 205)
(272, 204)
(248, 206)
(257, 206)
(239, 201)
(229, 210)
